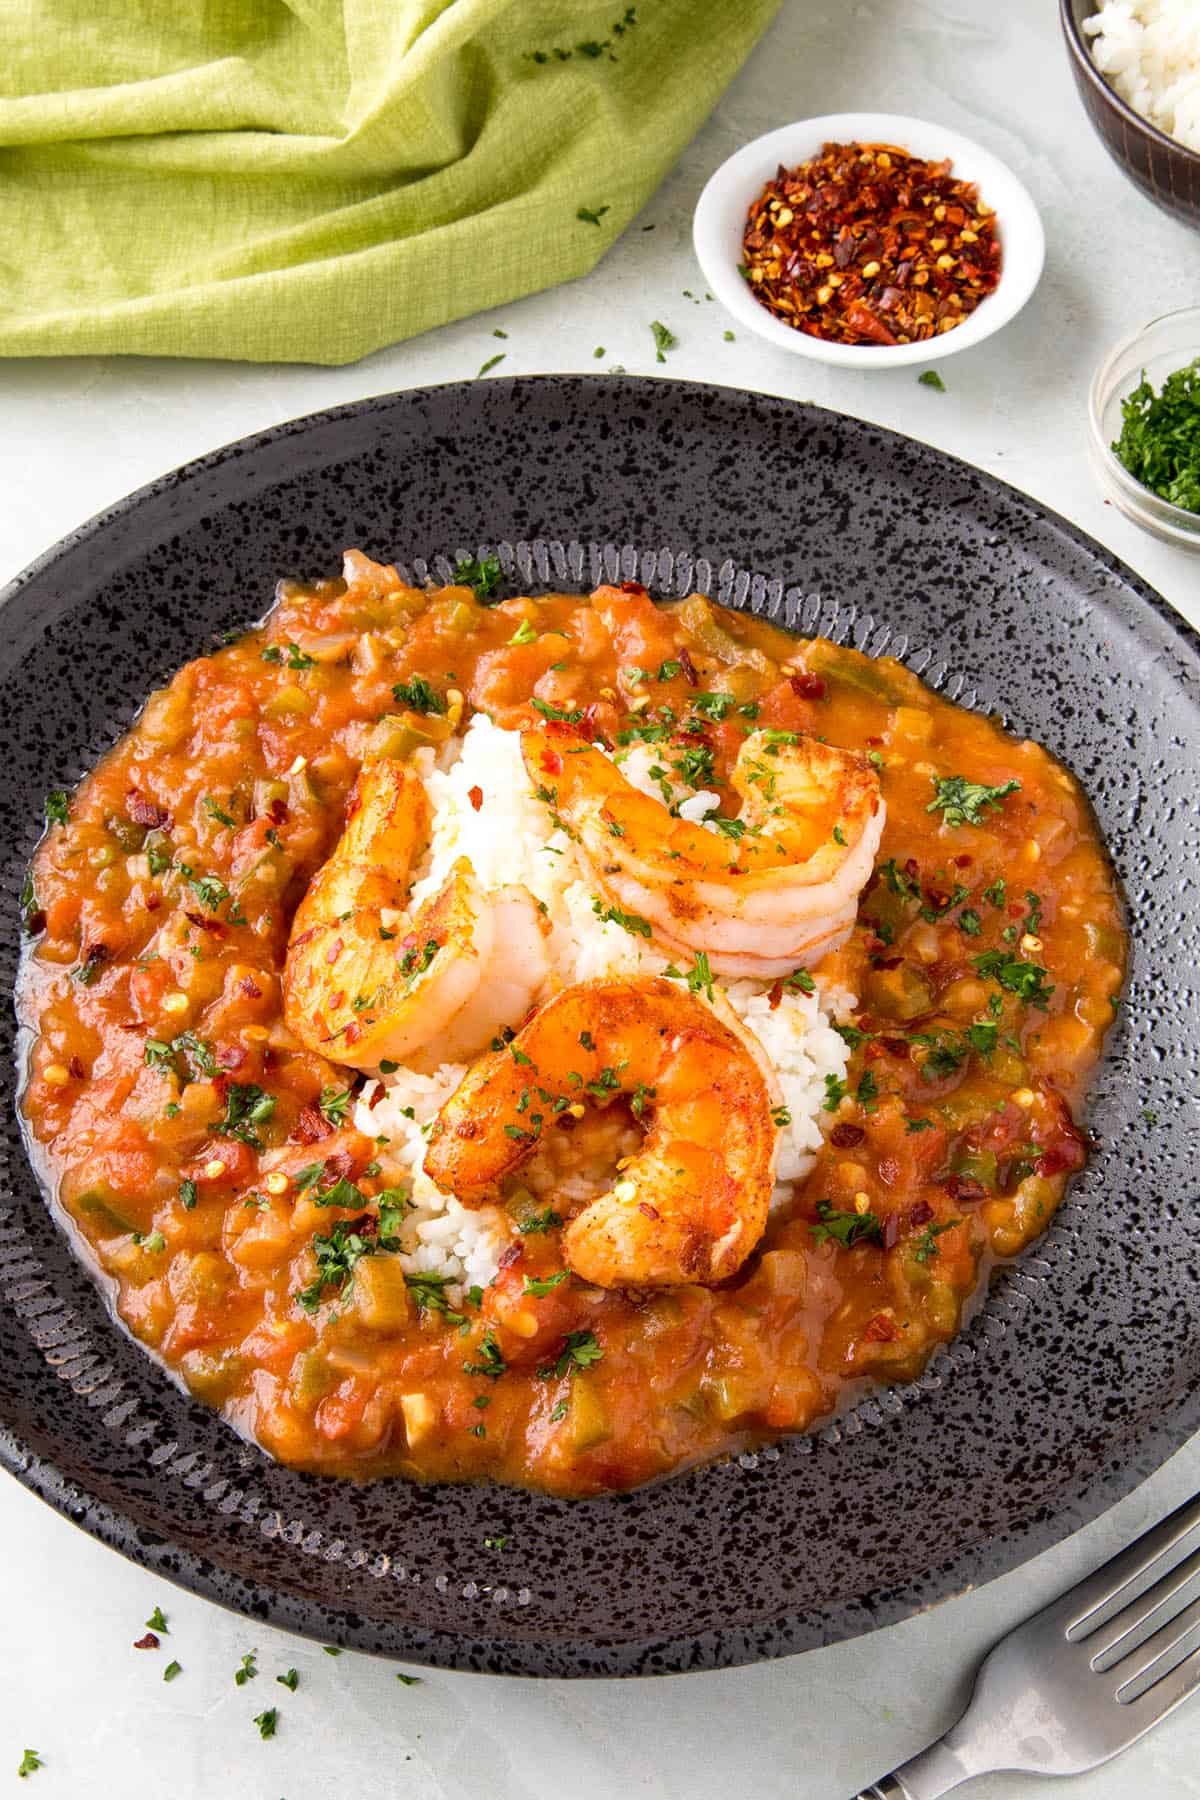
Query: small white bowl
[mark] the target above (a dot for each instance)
(720, 222)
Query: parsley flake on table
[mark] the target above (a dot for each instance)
(247, 1669)
(29, 1763)
(664, 340)
(1160, 437)
(267, 1722)
(157, 1620)
(290, 1680)
(931, 379)
(961, 802)
(408, 1680)
(489, 364)
(592, 216)
(172, 1670)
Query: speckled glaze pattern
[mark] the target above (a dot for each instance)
(1080, 1372)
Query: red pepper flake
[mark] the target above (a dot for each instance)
(277, 812)
(475, 796)
(651, 1212)
(891, 1230)
(965, 1189)
(774, 995)
(230, 1056)
(248, 986)
(690, 673)
(865, 244)
(632, 587)
(311, 1126)
(334, 951)
(920, 1215)
(551, 761)
(845, 1137)
(149, 1642)
(807, 686)
(508, 1257)
(881, 1330)
(145, 812)
(896, 1047)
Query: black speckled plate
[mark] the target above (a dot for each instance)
(1080, 1373)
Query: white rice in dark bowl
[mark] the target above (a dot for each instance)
(1149, 53)
(509, 838)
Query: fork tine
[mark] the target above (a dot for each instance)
(1166, 1695)
(1078, 1607)
(1115, 1632)
(1165, 1639)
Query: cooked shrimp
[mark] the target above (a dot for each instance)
(364, 981)
(779, 888)
(692, 1203)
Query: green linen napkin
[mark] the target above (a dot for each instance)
(307, 180)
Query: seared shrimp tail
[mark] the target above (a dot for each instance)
(692, 1203)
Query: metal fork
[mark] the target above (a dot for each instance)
(1083, 1679)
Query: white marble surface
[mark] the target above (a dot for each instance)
(78, 435)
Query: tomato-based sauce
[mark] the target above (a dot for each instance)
(179, 1122)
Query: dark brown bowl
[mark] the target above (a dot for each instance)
(1165, 171)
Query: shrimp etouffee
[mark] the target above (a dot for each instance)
(257, 932)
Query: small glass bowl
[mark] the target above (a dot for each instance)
(1166, 344)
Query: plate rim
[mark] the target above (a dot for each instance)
(733, 1643)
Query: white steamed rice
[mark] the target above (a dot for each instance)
(1149, 52)
(509, 839)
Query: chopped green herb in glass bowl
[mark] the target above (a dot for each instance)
(1144, 427)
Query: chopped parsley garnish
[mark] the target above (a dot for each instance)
(491, 1363)
(800, 982)
(540, 1222)
(699, 976)
(219, 814)
(210, 892)
(524, 634)
(839, 837)
(408, 1680)
(961, 802)
(343, 1193)
(1160, 436)
(846, 1229)
(631, 922)
(416, 961)
(337, 1256)
(592, 216)
(429, 1293)
(291, 1680)
(29, 1763)
(157, 1621)
(713, 706)
(544, 1284)
(247, 1670)
(491, 363)
(296, 657)
(1027, 980)
(899, 881)
(664, 340)
(172, 1670)
(969, 922)
(154, 1241)
(187, 1195)
(851, 1036)
(868, 1092)
(247, 1106)
(418, 696)
(997, 894)
(695, 766)
(926, 1245)
(335, 1104)
(780, 1116)
(558, 713)
(57, 807)
(267, 1721)
(931, 379)
(915, 1125)
(835, 1092)
(580, 1350)
(483, 574)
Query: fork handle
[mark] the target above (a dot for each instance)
(925, 1777)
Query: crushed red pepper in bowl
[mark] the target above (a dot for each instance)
(865, 244)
